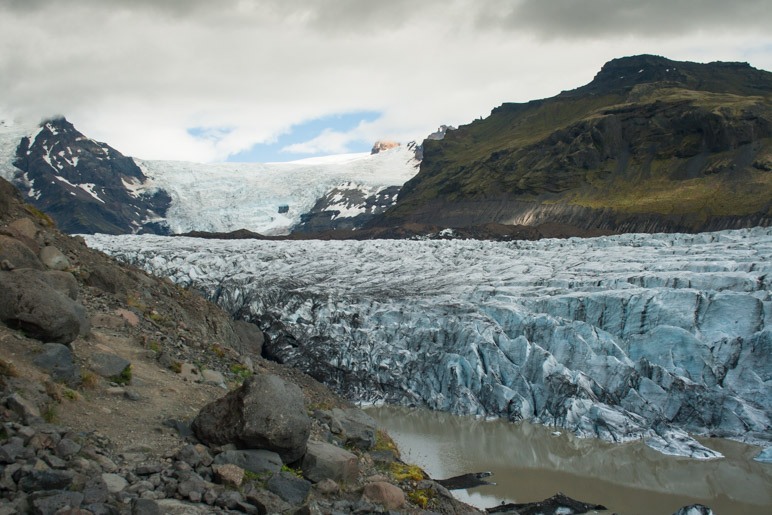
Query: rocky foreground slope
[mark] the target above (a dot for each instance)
(103, 368)
(650, 145)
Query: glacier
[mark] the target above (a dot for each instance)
(224, 197)
(658, 337)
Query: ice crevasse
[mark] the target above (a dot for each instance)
(654, 337)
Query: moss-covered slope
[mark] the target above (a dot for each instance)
(649, 144)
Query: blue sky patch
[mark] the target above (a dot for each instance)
(264, 153)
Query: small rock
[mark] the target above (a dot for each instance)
(258, 461)
(212, 377)
(46, 502)
(267, 502)
(111, 366)
(148, 469)
(57, 360)
(53, 258)
(292, 489)
(145, 507)
(11, 449)
(46, 480)
(132, 395)
(326, 461)
(228, 475)
(114, 482)
(229, 499)
(385, 494)
(192, 488)
(66, 448)
(327, 487)
(95, 491)
(55, 462)
(189, 454)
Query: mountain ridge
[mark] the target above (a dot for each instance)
(649, 145)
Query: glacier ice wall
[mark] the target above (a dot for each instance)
(634, 336)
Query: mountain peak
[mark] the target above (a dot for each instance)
(622, 74)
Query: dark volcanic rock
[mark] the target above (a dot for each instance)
(265, 413)
(57, 360)
(292, 489)
(29, 303)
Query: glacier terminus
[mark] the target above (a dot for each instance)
(658, 337)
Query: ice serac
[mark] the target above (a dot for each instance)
(655, 337)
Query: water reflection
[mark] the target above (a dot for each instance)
(532, 463)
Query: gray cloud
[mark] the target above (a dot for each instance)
(596, 18)
(139, 73)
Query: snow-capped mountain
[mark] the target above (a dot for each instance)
(88, 186)
(623, 338)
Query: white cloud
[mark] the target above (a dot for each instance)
(138, 74)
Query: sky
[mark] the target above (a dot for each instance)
(276, 80)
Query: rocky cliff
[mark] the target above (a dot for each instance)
(649, 145)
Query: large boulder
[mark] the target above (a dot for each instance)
(17, 254)
(250, 338)
(266, 412)
(29, 302)
(53, 258)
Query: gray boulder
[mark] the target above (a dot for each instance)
(53, 258)
(250, 338)
(254, 460)
(18, 254)
(327, 461)
(57, 360)
(111, 366)
(352, 427)
(266, 412)
(28, 302)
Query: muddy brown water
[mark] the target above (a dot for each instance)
(531, 463)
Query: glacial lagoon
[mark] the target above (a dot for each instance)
(533, 462)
